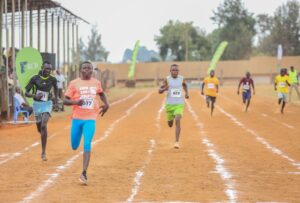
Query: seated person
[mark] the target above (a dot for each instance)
(22, 102)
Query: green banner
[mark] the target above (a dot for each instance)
(131, 71)
(218, 54)
(28, 63)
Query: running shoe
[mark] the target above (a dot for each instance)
(176, 145)
(44, 157)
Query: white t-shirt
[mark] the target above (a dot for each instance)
(60, 81)
(19, 98)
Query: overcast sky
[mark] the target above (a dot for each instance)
(122, 22)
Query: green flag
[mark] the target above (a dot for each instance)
(133, 60)
(28, 63)
(218, 54)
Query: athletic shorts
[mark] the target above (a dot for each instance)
(82, 127)
(246, 95)
(210, 98)
(41, 107)
(283, 96)
(172, 110)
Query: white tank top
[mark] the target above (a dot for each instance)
(175, 91)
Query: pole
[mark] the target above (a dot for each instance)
(46, 31)
(58, 41)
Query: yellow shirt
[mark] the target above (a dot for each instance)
(282, 86)
(211, 86)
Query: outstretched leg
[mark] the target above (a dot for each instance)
(247, 105)
(44, 133)
(170, 123)
(282, 107)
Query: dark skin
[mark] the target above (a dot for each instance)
(282, 73)
(174, 73)
(86, 72)
(42, 125)
(212, 74)
(248, 75)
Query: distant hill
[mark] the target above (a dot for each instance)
(144, 55)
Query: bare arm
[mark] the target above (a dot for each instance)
(104, 107)
(238, 90)
(185, 88)
(202, 88)
(68, 101)
(253, 87)
(164, 87)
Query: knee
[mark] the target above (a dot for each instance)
(87, 147)
(43, 127)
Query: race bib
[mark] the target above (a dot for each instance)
(246, 87)
(175, 92)
(45, 95)
(210, 85)
(282, 84)
(88, 103)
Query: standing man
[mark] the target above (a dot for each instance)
(61, 86)
(39, 88)
(174, 84)
(21, 101)
(294, 82)
(248, 84)
(211, 84)
(281, 86)
(82, 93)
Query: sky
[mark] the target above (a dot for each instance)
(122, 22)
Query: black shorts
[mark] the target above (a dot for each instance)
(210, 98)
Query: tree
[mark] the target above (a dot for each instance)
(284, 29)
(182, 41)
(95, 50)
(236, 25)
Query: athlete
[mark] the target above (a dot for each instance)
(281, 85)
(39, 88)
(247, 84)
(211, 84)
(83, 94)
(294, 81)
(174, 85)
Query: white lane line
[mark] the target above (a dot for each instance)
(19, 153)
(26, 149)
(225, 174)
(275, 150)
(60, 169)
(140, 172)
(263, 114)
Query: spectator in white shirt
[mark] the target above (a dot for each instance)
(60, 83)
(22, 102)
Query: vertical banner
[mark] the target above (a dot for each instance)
(279, 57)
(28, 63)
(218, 54)
(131, 72)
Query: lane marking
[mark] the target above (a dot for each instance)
(14, 155)
(60, 169)
(140, 172)
(265, 115)
(260, 139)
(224, 173)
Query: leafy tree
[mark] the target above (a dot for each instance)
(237, 26)
(181, 40)
(95, 50)
(284, 29)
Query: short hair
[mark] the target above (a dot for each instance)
(292, 67)
(173, 65)
(46, 62)
(85, 62)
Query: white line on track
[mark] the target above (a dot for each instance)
(140, 172)
(275, 150)
(14, 155)
(60, 169)
(225, 174)
(263, 114)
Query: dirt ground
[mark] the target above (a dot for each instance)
(231, 156)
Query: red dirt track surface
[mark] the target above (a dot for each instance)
(232, 156)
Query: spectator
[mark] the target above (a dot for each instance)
(23, 104)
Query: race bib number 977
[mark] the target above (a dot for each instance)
(87, 104)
